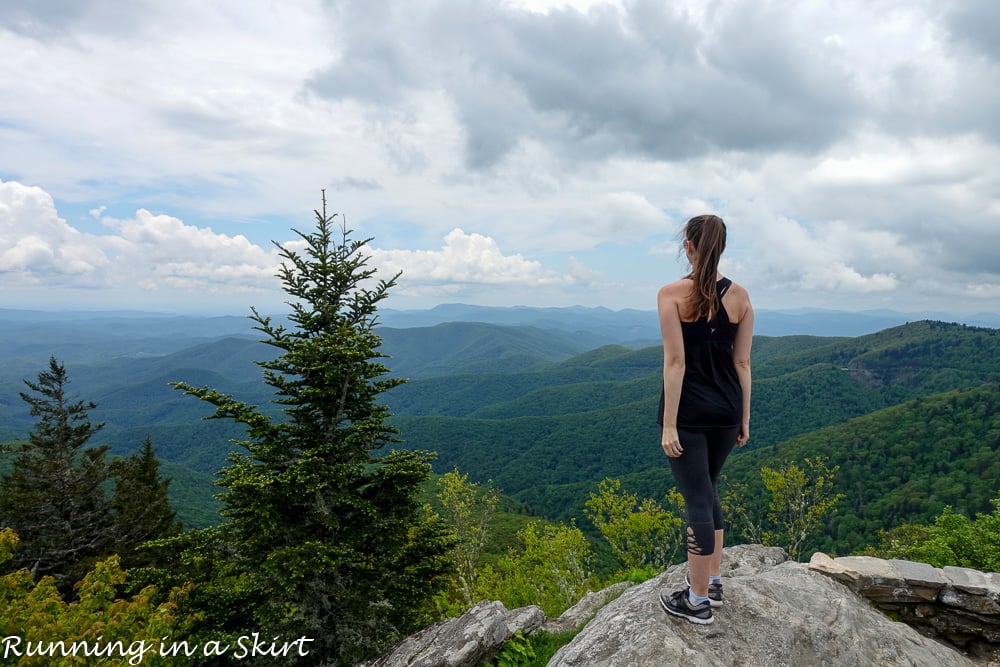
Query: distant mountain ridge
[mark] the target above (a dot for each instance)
(636, 327)
(544, 411)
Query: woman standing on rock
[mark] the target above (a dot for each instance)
(706, 321)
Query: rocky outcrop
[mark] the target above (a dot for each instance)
(958, 605)
(465, 641)
(584, 610)
(776, 613)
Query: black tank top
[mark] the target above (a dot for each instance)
(711, 396)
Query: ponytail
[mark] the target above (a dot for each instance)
(707, 233)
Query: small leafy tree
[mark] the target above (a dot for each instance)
(746, 511)
(54, 496)
(551, 569)
(469, 510)
(953, 539)
(322, 521)
(35, 612)
(643, 535)
(794, 502)
(800, 499)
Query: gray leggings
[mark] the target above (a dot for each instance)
(696, 473)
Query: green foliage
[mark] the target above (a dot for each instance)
(330, 537)
(643, 535)
(546, 644)
(593, 405)
(800, 499)
(516, 652)
(550, 569)
(223, 601)
(952, 539)
(35, 612)
(140, 504)
(470, 512)
(898, 465)
(54, 494)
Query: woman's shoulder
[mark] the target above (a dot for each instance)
(737, 301)
(736, 289)
(680, 287)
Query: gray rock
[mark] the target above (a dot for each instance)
(583, 610)
(465, 641)
(775, 613)
(954, 604)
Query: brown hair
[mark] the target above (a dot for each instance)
(707, 234)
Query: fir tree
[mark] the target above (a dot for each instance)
(54, 497)
(140, 504)
(324, 521)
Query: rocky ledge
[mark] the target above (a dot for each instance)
(956, 604)
(837, 612)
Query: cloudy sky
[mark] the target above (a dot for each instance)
(518, 152)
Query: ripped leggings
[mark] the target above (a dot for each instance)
(696, 473)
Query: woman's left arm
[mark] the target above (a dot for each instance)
(741, 360)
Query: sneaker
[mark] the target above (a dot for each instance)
(678, 604)
(714, 591)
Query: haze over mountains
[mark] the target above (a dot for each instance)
(547, 402)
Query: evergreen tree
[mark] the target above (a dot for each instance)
(54, 497)
(325, 523)
(140, 504)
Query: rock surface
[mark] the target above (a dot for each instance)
(956, 604)
(465, 641)
(775, 613)
(584, 610)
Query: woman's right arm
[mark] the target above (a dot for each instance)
(668, 308)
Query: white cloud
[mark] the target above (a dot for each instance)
(35, 242)
(617, 217)
(467, 259)
(153, 252)
(161, 253)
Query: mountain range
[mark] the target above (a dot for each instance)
(547, 402)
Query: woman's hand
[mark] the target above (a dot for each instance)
(744, 435)
(671, 442)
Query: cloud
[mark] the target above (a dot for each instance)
(151, 252)
(650, 79)
(161, 253)
(36, 245)
(976, 24)
(164, 252)
(467, 259)
(854, 147)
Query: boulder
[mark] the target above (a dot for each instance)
(775, 613)
(584, 610)
(465, 641)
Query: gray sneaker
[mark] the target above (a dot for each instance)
(678, 604)
(714, 591)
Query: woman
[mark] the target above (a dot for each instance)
(706, 321)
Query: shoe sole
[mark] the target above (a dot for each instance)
(693, 619)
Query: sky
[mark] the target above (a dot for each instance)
(500, 152)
